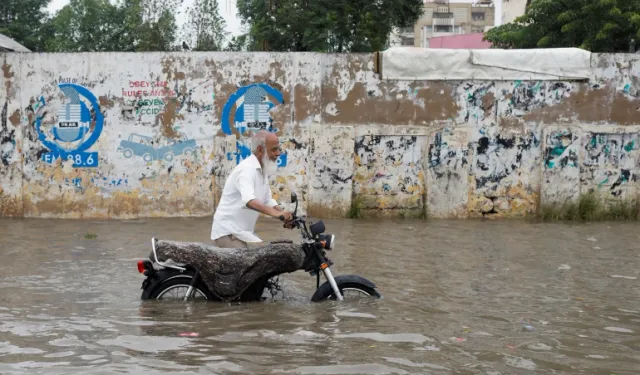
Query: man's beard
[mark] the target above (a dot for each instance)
(269, 166)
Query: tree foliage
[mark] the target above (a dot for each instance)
(99, 25)
(85, 26)
(25, 21)
(593, 25)
(205, 28)
(325, 25)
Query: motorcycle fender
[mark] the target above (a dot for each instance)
(354, 279)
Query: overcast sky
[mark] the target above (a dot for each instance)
(228, 10)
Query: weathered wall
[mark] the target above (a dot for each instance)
(126, 135)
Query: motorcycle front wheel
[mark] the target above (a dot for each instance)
(349, 286)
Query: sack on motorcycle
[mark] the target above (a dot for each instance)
(229, 272)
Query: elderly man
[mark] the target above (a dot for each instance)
(246, 194)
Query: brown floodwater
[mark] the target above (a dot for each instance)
(459, 297)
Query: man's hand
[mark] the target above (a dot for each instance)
(288, 216)
(275, 211)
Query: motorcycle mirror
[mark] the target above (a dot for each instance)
(294, 197)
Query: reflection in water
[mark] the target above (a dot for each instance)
(460, 297)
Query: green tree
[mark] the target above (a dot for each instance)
(238, 43)
(593, 25)
(85, 26)
(325, 25)
(25, 21)
(99, 25)
(205, 28)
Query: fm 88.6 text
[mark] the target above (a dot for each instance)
(79, 159)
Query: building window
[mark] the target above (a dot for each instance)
(443, 29)
(477, 16)
(407, 30)
(407, 41)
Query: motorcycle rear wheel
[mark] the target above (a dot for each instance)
(181, 284)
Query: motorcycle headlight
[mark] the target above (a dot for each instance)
(327, 241)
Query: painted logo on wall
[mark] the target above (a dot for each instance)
(143, 146)
(77, 128)
(249, 109)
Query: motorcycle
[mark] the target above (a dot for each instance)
(222, 276)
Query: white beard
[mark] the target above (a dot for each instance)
(268, 166)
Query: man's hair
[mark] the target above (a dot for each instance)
(259, 139)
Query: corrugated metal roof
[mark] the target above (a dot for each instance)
(8, 44)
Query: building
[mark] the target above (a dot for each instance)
(462, 41)
(512, 9)
(9, 45)
(442, 18)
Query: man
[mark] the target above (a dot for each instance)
(246, 194)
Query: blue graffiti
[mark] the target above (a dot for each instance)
(252, 105)
(73, 126)
(105, 181)
(141, 145)
(248, 109)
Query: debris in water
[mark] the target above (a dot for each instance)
(564, 267)
(591, 239)
(618, 329)
(596, 356)
(624, 277)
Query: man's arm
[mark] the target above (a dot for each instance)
(245, 185)
(255, 204)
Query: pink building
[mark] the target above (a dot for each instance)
(461, 41)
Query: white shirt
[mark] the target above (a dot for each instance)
(232, 216)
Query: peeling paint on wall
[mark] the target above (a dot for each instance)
(11, 181)
(331, 158)
(504, 173)
(611, 163)
(448, 173)
(389, 171)
(128, 135)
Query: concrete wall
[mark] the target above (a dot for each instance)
(155, 135)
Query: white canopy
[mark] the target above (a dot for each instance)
(412, 63)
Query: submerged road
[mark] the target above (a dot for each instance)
(460, 297)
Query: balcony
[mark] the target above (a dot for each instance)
(443, 21)
(442, 15)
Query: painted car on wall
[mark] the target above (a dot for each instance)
(142, 145)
